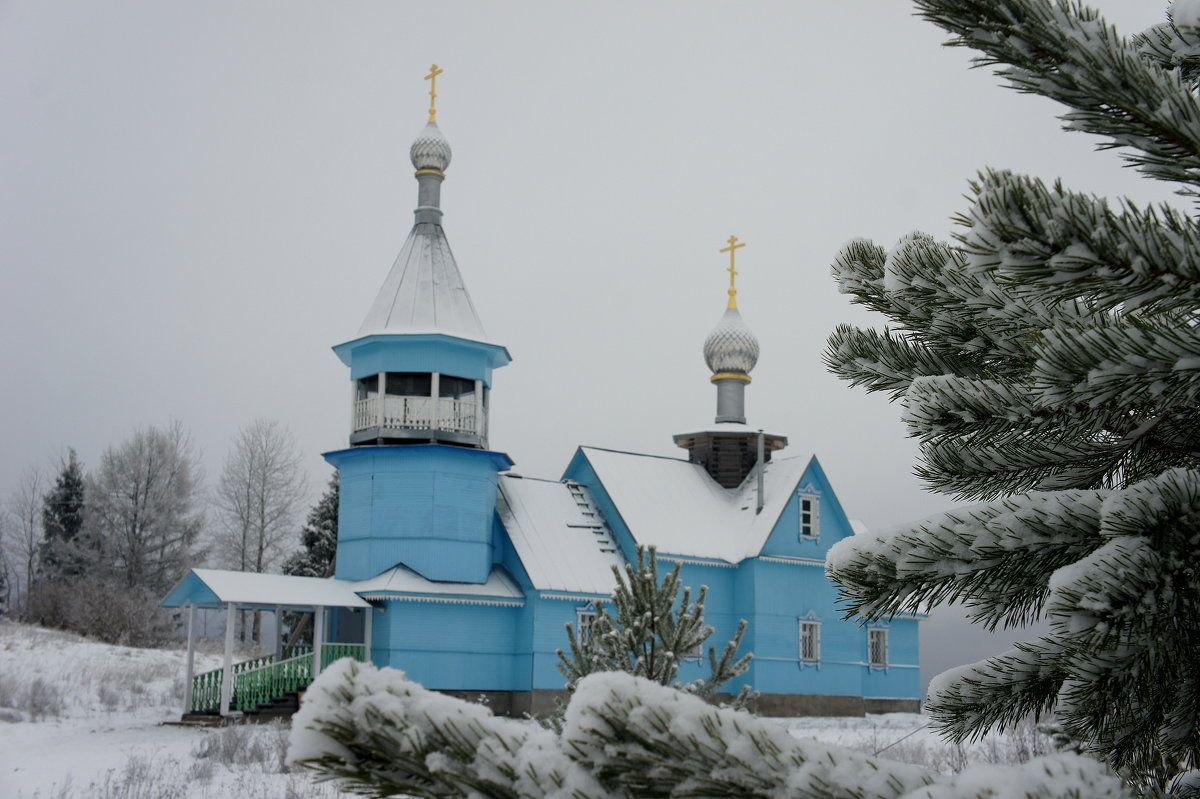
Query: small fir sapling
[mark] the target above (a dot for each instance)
(651, 635)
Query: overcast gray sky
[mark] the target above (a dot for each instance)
(197, 200)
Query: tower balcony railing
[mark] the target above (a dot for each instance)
(417, 413)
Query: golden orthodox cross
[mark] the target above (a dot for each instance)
(733, 273)
(432, 78)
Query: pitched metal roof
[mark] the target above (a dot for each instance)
(401, 580)
(559, 535)
(424, 292)
(215, 587)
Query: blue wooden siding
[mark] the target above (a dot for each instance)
(429, 507)
(465, 647)
(421, 353)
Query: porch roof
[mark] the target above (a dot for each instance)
(212, 588)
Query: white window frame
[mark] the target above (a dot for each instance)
(877, 648)
(810, 531)
(812, 627)
(585, 620)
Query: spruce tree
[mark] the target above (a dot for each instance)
(1048, 360)
(317, 555)
(62, 551)
(318, 538)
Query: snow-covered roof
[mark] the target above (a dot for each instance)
(558, 534)
(402, 580)
(424, 292)
(213, 587)
(675, 506)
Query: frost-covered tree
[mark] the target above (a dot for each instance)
(653, 632)
(142, 498)
(23, 531)
(257, 498)
(1048, 360)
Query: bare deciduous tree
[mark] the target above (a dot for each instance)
(258, 497)
(142, 503)
(23, 530)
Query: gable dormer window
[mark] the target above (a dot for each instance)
(810, 513)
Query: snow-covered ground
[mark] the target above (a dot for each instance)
(82, 719)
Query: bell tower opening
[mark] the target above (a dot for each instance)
(419, 408)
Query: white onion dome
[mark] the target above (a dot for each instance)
(731, 346)
(430, 150)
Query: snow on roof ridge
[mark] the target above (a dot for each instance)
(683, 511)
(638, 454)
(519, 476)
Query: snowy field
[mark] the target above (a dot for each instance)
(80, 719)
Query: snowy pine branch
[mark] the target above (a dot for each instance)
(1053, 245)
(1067, 52)
(623, 737)
(992, 558)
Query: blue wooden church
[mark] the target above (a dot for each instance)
(462, 573)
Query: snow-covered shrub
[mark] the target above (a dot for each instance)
(240, 745)
(1049, 363)
(623, 736)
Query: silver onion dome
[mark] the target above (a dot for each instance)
(731, 346)
(430, 150)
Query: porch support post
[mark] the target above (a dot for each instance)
(479, 431)
(435, 393)
(367, 634)
(227, 673)
(278, 633)
(381, 411)
(191, 659)
(318, 639)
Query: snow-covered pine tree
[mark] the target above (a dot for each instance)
(650, 636)
(317, 555)
(318, 538)
(1053, 349)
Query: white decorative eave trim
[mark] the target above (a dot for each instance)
(791, 561)
(578, 597)
(722, 564)
(445, 600)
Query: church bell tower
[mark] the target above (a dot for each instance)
(418, 483)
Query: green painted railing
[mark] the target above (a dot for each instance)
(332, 652)
(253, 688)
(263, 679)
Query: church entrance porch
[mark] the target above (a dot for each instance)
(268, 685)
